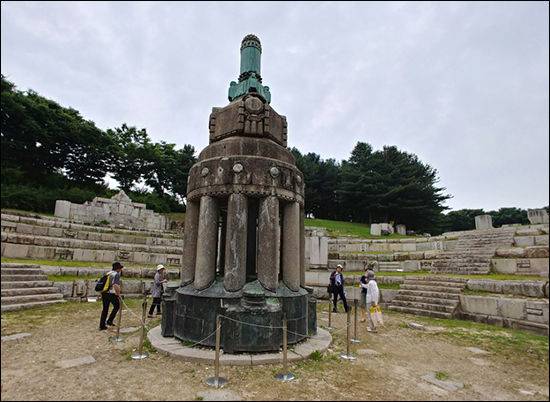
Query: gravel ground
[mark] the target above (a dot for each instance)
(389, 365)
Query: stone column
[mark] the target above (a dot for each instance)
(302, 249)
(291, 246)
(269, 240)
(205, 266)
(235, 243)
(187, 273)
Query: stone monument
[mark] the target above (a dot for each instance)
(537, 216)
(244, 228)
(484, 222)
(117, 211)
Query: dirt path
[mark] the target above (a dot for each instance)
(29, 370)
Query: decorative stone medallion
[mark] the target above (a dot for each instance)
(274, 172)
(205, 171)
(237, 168)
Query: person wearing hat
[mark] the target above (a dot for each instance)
(337, 285)
(157, 289)
(111, 295)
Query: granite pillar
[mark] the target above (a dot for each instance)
(205, 266)
(187, 273)
(235, 243)
(269, 236)
(291, 246)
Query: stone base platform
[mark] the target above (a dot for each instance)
(301, 351)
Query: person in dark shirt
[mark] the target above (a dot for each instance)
(111, 295)
(337, 284)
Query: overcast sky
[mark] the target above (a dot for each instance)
(462, 85)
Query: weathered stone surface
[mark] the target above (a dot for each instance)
(537, 216)
(269, 240)
(445, 384)
(375, 229)
(15, 337)
(235, 244)
(367, 352)
(477, 351)
(79, 361)
(219, 395)
(484, 222)
(520, 288)
(401, 229)
(524, 241)
(513, 252)
(205, 267)
(536, 252)
(291, 246)
(303, 249)
(479, 305)
(190, 243)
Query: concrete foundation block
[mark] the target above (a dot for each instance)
(479, 305)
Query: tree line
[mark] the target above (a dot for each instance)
(51, 152)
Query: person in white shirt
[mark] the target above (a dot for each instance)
(373, 296)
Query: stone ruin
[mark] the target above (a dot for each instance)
(244, 246)
(118, 211)
(537, 216)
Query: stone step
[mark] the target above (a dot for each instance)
(428, 288)
(26, 278)
(20, 271)
(28, 291)
(14, 307)
(424, 306)
(26, 284)
(18, 265)
(420, 293)
(416, 311)
(31, 298)
(425, 300)
(435, 282)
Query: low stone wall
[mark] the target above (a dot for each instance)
(519, 288)
(535, 266)
(507, 312)
(354, 245)
(85, 288)
(142, 273)
(49, 221)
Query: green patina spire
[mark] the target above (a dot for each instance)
(250, 79)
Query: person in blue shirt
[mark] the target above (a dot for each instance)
(337, 285)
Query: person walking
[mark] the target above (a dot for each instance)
(337, 285)
(373, 296)
(364, 286)
(111, 295)
(157, 289)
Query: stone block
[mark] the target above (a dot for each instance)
(15, 337)
(524, 241)
(511, 252)
(484, 222)
(375, 229)
(409, 266)
(527, 231)
(537, 216)
(536, 252)
(12, 250)
(541, 240)
(62, 209)
(504, 265)
(537, 311)
(512, 308)
(401, 229)
(479, 305)
(80, 361)
(540, 265)
(432, 254)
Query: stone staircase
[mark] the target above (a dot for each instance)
(473, 252)
(26, 286)
(430, 296)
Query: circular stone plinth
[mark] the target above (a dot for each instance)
(300, 351)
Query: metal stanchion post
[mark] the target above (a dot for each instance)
(355, 339)
(329, 314)
(217, 381)
(285, 375)
(347, 355)
(140, 354)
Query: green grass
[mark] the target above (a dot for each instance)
(441, 375)
(339, 228)
(388, 286)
